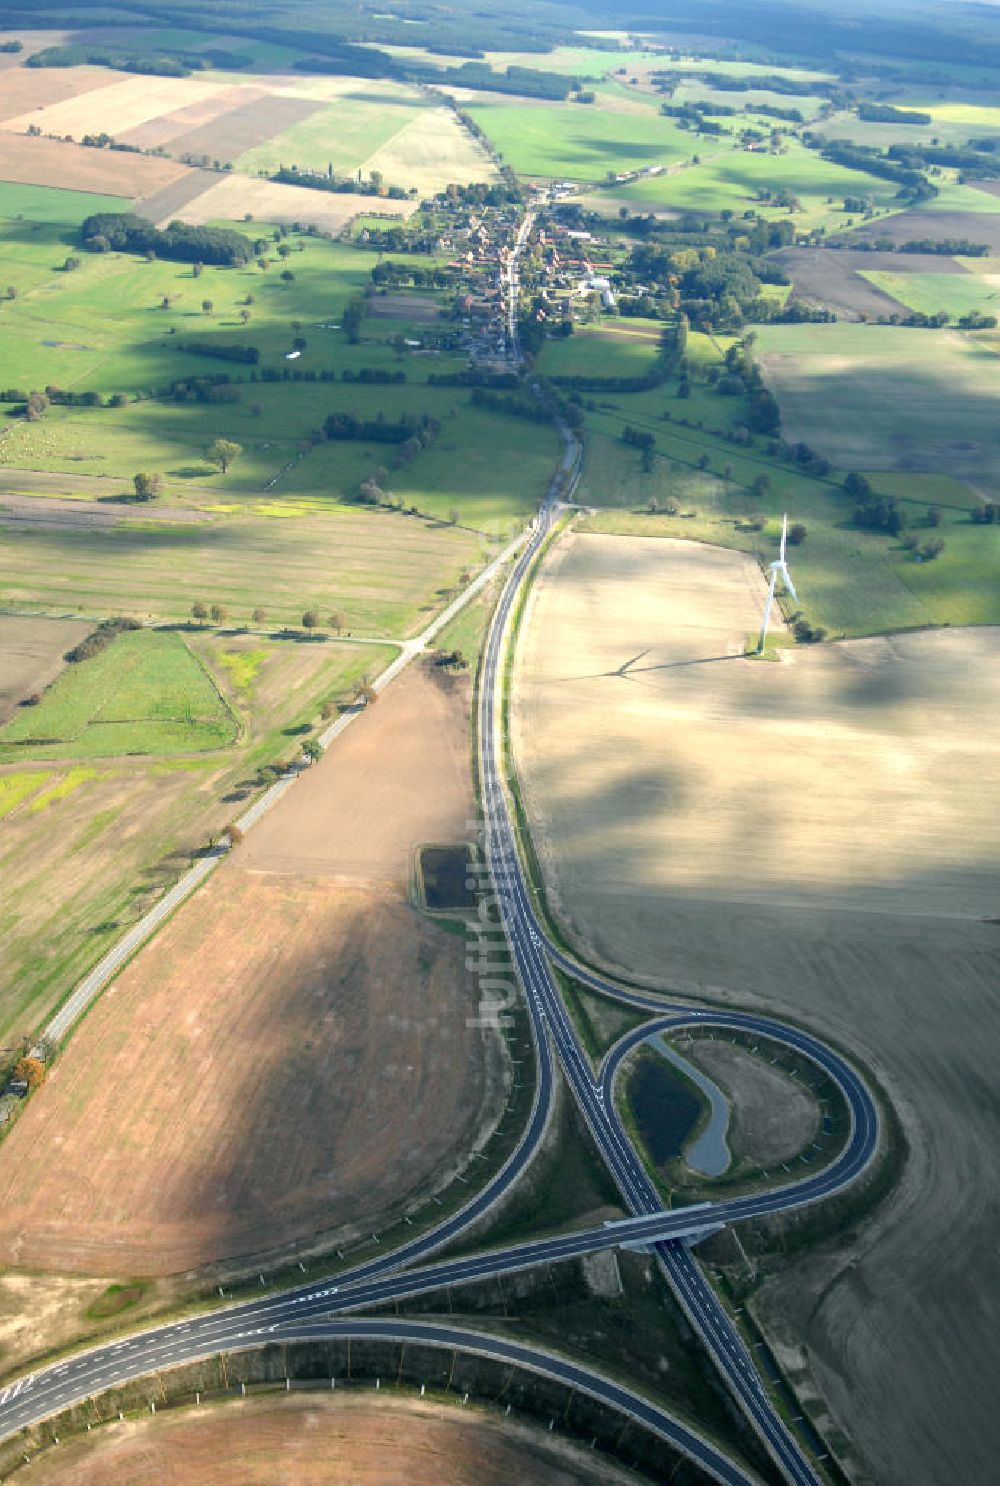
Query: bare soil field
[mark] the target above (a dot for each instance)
(253, 121)
(156, 132)
(79, 515)
(288, 1059)
(31, 655)
(809, 837)
(833, 278)
(350, 1440)
(33, 1307)
(417, 307)
(120, 105)
(773, 1118)
(54, 162)
(233, 195)
(296, 1037)
(977, 227)
(27, 90)
(354, 816)
(163, 205)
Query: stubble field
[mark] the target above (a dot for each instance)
(807, 837)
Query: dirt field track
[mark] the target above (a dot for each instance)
(812, 837)
(346, 1441)
(53, 162)
(290, 1053)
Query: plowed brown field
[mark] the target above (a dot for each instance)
(54, 162)
(348, 1440)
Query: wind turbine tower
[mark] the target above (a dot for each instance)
(779, 566)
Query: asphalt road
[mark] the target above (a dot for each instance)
(294, 1312)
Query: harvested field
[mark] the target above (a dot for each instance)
(329, 824)
(31, 655)
(118, 106)
(343, 1016)
(156, 132)
(252, 122)
(695, 824)
(269, 201)
(773, 1118)
(37, 88)
(80, 515)
(53, 162)
(347, 1441)
(833, 279)
(431, 152)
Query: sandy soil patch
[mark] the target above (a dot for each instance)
(31, 655)
(773, 1118)
(344, 1441)
(252, 122)
(269, 201)
(54, 162)
(26, 90)
(118, 106)
(41, 1306)
(813, 838)
(155, 132)
(288, 1058)
(353, 815)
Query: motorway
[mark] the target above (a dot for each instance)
(301, 1311)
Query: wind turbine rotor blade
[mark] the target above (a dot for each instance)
(788, 582)
(784, 534)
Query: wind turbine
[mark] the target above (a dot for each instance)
(778, 566)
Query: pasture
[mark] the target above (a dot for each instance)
(582, 143)
(729, 176)
(697, 818)
(31, 655)
(885, 398)
(613, 348)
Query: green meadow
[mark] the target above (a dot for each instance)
(144, 693)
(953, 293)
(581, 142)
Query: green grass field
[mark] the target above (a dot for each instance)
(851, 581)
(582, 143)
(951, 123)
(51, 204)
(145, 693)
(614, 348)
(730, 178)
(954, 294)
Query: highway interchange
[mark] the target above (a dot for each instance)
(314, 1309)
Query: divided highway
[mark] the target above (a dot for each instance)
(307, 1311)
